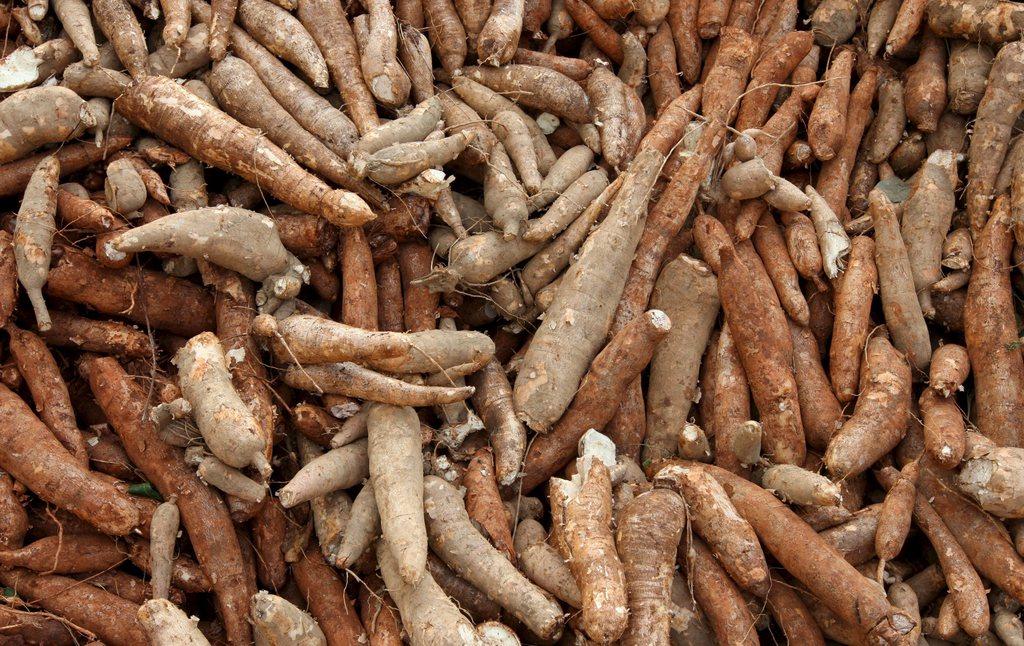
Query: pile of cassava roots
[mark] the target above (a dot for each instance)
(499, 322)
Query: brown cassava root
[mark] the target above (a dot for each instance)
(475, 309)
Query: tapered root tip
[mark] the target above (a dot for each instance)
(39, 307)
(439, 280)
(87, 117)
(492, 59)
(322, 79)
(285, 286)
(344, 209)
(531, 423)
(264, 325)
(262, 466)
(287, 498)
(174, 36)
(218, 40)
(339, 562)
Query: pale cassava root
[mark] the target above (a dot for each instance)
(467, 322)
